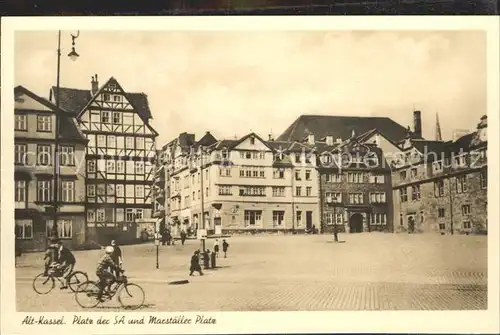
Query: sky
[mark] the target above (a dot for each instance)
(234, 83)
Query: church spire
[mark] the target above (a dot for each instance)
(438, 129)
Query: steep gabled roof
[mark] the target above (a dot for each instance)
(75, 100)
(341, 127)
(68, 128)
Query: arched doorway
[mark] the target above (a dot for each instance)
(356, 223)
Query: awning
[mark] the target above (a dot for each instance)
(22, 175)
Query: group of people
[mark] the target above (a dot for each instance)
(207, 257)
(167, 238)
(61, 259)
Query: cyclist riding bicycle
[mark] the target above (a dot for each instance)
(105, 270)
(67, 262)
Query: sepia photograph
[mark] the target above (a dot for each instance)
(191, 171)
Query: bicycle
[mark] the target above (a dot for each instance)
(121, 288)
(44, 284)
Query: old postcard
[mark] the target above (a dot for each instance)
(316, 174)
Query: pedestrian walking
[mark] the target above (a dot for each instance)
(225, 245)
(117, 257)
(183, 237)
(213, 259)
(195, 263)
(216, 247)
(206, 259)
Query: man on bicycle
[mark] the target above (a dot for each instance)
(105, 270)
(67, 262)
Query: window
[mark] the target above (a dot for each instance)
(334, 177)
(100, 215)
(90, 166)
(111, 141)
(333, 197)
(24, 229)
(461, 184)
(138, 213)
(278, 218)
(421, 216)
(101, 141)
(299, 218)
(461, 160)
(139, 143)
(441, 212)
(465, 209)
(298, 191)
(20, 154)
(403, 194)
(105, 117)
(439, 188)
(252, 140)
(248, 155)
(64, 228)
(356, 198)
(484, 179)
(44, 191)
(90, 216)
(401, 220)
(308, 174)
(279, 173)
(20, 191)
(130, 215)
(466, 225)
(278, 191)
(21, 122)
(437, 166)
(120, 167)
(120, 190)
(139, 191)
(333, 218)
(442, 226)
(355, 177)
(43, 155)
(106, 97)
(377, 197)
(413, 172)
(120, 215)
(225, 190)
(308, 191)
(90, 190)
(129, 142)
(253, 218)
(402, 175)
(117, 98)
(139, 168)
(297, 175)
(297, 158)
(117, 117)
(44, 123)
(378, 219)
(415, 192)
(67, 157)
(377, 179)
(223, 172)
(206, 191)
(252, 191)
(110, 166)
(68, 191)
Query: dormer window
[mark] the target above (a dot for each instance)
(437, 166)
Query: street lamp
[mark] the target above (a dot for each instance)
(73, 56)
(335, 233)
(202, 200)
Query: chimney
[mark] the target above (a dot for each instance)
(271, 137)
(329, 140)
(417, 124)
(94, 84)
(338, 140)
(377, 140)
(310, 139)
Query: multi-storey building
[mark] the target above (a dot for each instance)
(355, 183)
(442, 186)
(35, 135)
(119, 157)
(245, 184)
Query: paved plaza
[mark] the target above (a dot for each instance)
(370, 271)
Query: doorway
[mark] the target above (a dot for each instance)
(309, 220)
(356, 223)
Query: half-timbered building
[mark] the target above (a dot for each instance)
(119, 159)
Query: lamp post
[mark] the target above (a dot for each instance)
(335, 233)
(73, 56)
(202, 201)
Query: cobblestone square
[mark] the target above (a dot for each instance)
(369, 271)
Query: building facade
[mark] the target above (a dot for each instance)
(34, 148)
(241, 185)
(120, 157)
(442, 187)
